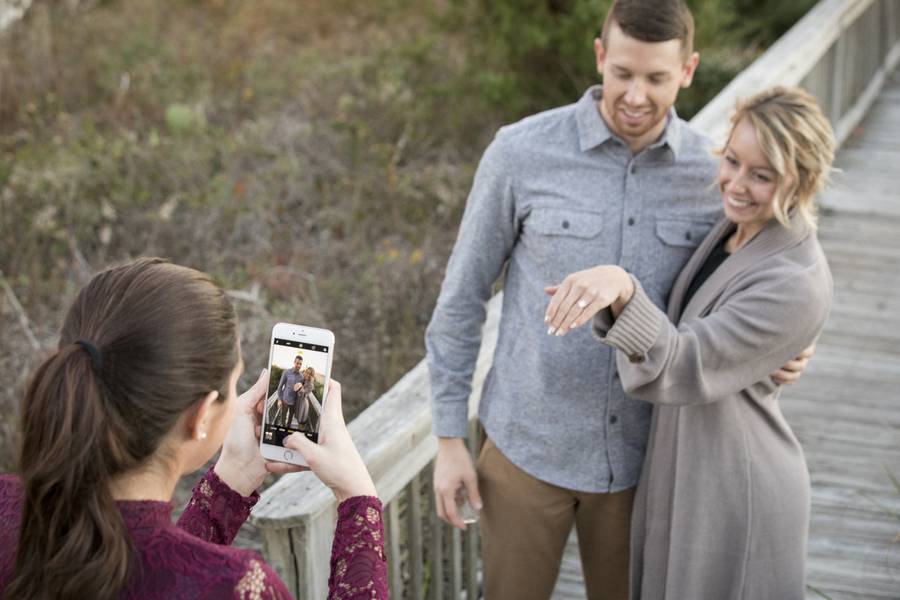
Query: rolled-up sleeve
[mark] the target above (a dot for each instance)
(707, 359)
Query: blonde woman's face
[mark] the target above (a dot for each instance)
(747, 181)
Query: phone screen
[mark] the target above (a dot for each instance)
(296, 390)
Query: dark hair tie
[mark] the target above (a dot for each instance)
(96, 358)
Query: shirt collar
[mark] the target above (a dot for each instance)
(592, 129)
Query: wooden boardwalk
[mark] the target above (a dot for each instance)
(846, 410)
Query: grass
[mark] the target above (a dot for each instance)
(287, 152)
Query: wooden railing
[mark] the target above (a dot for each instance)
(840, 52)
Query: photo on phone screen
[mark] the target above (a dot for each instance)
(296, 390)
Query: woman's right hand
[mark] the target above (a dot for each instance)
(334, 459)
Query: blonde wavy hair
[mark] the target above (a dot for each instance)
(798, 142)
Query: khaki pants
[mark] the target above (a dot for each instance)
(525, 524)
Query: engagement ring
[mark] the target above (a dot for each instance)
(582, 304)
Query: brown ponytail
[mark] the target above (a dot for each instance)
(165, 336)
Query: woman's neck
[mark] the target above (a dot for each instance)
(742, 234)
(149, 483)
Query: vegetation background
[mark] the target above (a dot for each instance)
(314, 156)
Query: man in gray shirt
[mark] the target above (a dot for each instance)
(616, 178)
(288, 391)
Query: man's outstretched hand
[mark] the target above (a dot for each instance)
(793, 369)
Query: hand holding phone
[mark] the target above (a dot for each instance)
(335, 459)
(299, 371)
(240, 464)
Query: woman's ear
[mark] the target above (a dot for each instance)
(198, 423)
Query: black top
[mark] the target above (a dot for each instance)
(716, 257)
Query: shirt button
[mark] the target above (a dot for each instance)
(610, 479)
(633, 169)
(613, 419)
(636, 358)
(631, 220)
(565, 224)
(687, 236)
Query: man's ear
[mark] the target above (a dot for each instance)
(689, 68)
(198, 422)
(600, 53)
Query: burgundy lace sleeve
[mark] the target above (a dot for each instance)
(260, 583)
(358, 563)
(216, 512)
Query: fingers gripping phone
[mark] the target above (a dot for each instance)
(299, 372)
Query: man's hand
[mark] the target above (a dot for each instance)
(793, 369)
(453, 469)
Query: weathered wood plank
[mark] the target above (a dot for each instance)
(471, 553)
(472, 549)
(845, 413)
(570, 583)
(436, 554)
(456, 563)
(280, 556)
(416, 541)
(393, 548)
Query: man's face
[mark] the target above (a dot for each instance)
(298, 364)
(640, 84)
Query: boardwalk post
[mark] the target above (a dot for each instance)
(416, 542)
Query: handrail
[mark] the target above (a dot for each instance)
(394, 438)
(12, 11)
(840, 51)
(797, 57)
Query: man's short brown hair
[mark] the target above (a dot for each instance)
(653, 21)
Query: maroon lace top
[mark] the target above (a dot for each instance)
(193, 559)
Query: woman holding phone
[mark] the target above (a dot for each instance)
(722, 507)
(140, 391)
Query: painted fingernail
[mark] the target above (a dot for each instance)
(561, 332)
(546, 318)
(551, 331)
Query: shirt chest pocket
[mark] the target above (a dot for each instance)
(564, 240)
(681, 233)
(675, 242)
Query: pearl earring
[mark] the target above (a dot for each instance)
(202, 435)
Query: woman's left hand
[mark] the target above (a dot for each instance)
(582, 295)
(240, 464)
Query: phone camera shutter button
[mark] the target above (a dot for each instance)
(288, 455)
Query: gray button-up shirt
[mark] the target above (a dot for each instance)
(557, 193)
(285, 387)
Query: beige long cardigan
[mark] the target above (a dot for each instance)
(722, 507)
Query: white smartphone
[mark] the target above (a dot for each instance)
(299, 372)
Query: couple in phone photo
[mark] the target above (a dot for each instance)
(659, 290)
(294, 397)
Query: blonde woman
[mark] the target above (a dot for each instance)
(722, 508)
(309, 382)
